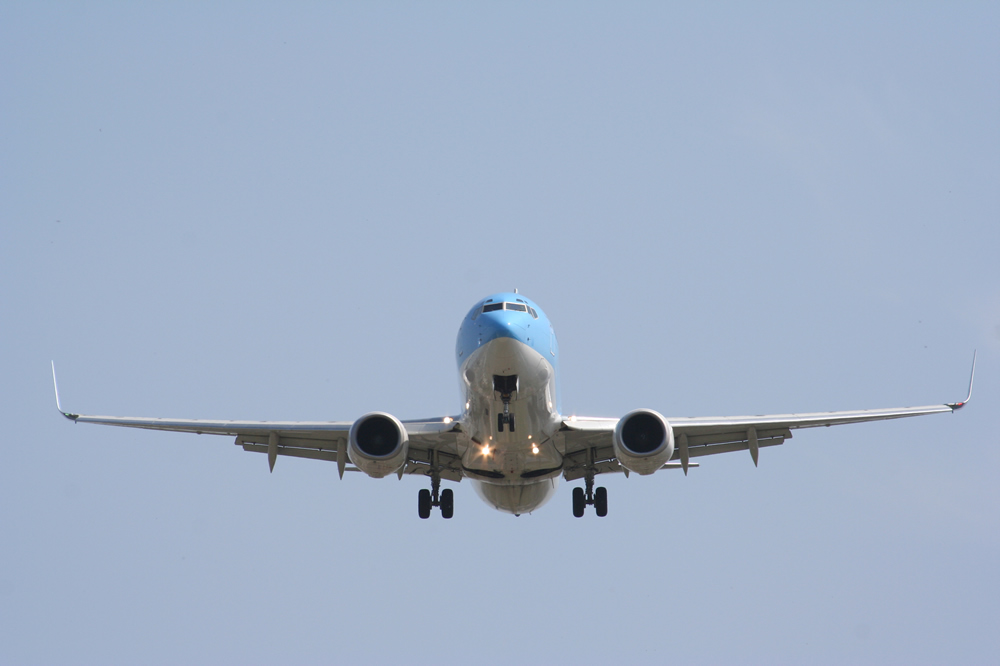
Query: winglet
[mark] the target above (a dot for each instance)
(55, 385)
(959, 405)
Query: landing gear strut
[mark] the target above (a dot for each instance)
(445, 499)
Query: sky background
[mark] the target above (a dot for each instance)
(253, 211)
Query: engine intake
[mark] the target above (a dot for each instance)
(643, 441)
(378, 444)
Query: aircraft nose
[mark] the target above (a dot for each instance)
(502, 324)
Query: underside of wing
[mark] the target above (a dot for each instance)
(430, 441)
(711, 435)
(590, 446)
(590, 443)
(318, 440)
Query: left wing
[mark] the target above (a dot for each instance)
(319, 440)
(588, 441)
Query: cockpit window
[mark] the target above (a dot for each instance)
(516, 307)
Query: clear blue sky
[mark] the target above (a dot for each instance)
(254, 211)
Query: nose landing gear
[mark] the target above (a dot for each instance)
(505, 417)
(506, 386)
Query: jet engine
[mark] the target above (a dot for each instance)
(643, 441)
(378, 444)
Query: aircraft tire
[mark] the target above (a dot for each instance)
(601, 501)
(424, 503)
(579, 502)
(447, 503)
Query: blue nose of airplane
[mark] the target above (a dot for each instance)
(505, 324)
(507, 316)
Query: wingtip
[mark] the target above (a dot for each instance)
(972, 377)
(55, 386)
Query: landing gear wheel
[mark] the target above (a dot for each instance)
(499, 422)
(579, 502)
(601, 501)
(424, 503)
(447, 503)
(510, 420)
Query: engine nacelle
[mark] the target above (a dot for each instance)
(643, 441)
(378, 444)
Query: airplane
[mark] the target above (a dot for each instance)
(511, 439)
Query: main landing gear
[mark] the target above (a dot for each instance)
(598, 498)
(436, 497)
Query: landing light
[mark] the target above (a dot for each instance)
(534, 449)
(447, 419)
(486, 449)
